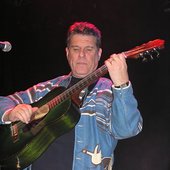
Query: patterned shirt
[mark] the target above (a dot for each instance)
(107, 115)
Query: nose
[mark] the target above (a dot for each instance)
(82, 53)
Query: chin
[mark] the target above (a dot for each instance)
(80, 75)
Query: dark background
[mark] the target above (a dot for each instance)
(37, 31)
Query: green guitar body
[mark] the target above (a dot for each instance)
(34, 139)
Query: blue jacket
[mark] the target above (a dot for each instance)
(107, 115)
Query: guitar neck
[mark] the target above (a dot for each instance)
(135, 53)
(91, 78)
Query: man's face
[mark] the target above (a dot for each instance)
(83, 55)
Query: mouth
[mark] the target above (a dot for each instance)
(82, 63)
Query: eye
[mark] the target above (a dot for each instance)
(89, 49)
(75, 49)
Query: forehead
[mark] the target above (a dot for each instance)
(80, 39)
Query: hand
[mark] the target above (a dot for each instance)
(22, 112)
(117, 68)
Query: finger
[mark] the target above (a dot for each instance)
(25, 112)
(123, 55)
(108, 62)
(21, 116)
(34, 109)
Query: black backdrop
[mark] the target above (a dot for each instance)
(37, 31)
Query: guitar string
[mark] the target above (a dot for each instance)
(157, 44)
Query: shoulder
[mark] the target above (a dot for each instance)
(52, 82)
(59, 79)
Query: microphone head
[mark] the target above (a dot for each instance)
(7, 46)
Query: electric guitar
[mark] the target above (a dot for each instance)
(58, 112)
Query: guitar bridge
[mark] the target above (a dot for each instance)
(14, 132)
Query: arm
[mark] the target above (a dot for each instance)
(126, 118)
(17, 106)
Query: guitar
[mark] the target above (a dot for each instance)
(58, 112)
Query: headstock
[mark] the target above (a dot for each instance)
(146, 51)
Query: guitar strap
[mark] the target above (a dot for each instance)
(85, 92)
(90, 88)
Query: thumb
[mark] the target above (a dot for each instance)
(34, 109)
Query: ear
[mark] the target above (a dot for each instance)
(67, 51)
(99, 53)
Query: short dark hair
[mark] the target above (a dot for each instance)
(84, 28)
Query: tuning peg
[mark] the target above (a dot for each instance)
(156, 52)
(143, 57)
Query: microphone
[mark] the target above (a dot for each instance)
(5, 46)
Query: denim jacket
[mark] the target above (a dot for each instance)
(107, 115)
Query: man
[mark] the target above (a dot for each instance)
(108, 113)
